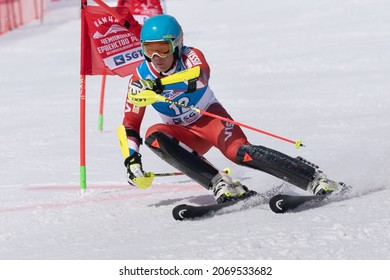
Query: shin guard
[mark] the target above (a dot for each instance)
(169, 150)
(289, 169)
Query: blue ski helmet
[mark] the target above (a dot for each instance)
(163, 28)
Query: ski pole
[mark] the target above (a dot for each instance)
(227, 170)
(168, 174)
(148, 97)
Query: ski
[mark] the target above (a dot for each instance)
(282, 203)
(185, 211)
(279, 203)
(190, 212)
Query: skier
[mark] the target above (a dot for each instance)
(185, 136)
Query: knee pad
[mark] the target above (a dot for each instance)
(170, 150)
(289, 169)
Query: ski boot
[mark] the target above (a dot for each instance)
(225, 189)
(321, 185)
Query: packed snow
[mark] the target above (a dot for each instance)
(312, 70)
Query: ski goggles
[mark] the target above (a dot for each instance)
(160, 48)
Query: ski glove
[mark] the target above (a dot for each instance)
(135, 174)
(141, 85)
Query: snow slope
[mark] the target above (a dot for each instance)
(311, 70)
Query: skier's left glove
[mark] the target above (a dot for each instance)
(141, 85)
(135, 174)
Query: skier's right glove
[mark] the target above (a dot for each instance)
(141, 85)
(135, 174)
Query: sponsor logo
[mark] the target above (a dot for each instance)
(188, 118)
(127, 57)
(128, 106)
(192, 57)
(171, 94)
(228, 130)
(104, 20)
(119, 59)
(181, 213)
(135, 109)
(279, 203)
(113, 29)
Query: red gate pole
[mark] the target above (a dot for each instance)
(101, 103)
(83, 167)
